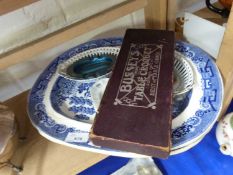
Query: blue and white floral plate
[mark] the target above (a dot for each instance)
(204, 102)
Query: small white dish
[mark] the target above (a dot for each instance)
(183, 75)
(224, 134)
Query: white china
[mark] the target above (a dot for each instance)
(194, 115)
(224, 134)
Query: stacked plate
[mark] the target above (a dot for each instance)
(62, 107)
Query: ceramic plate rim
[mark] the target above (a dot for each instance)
(57, 139)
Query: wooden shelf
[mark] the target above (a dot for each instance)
(225, 63)
(7, 6)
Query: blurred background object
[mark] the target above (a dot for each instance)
(224, 11)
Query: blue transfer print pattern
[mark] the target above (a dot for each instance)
(210, 102)
(36, 108)
(74, 96)
(179, 105)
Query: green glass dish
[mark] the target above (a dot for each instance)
(91, 67)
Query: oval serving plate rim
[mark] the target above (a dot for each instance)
(221, 90)
(29, 99)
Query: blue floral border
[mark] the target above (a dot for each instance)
(192, 128)
(211, 101)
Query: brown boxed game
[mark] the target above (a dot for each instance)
(135, 111)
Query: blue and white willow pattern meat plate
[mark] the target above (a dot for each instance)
(71, 125)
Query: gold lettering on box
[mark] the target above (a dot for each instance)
(139, 82)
